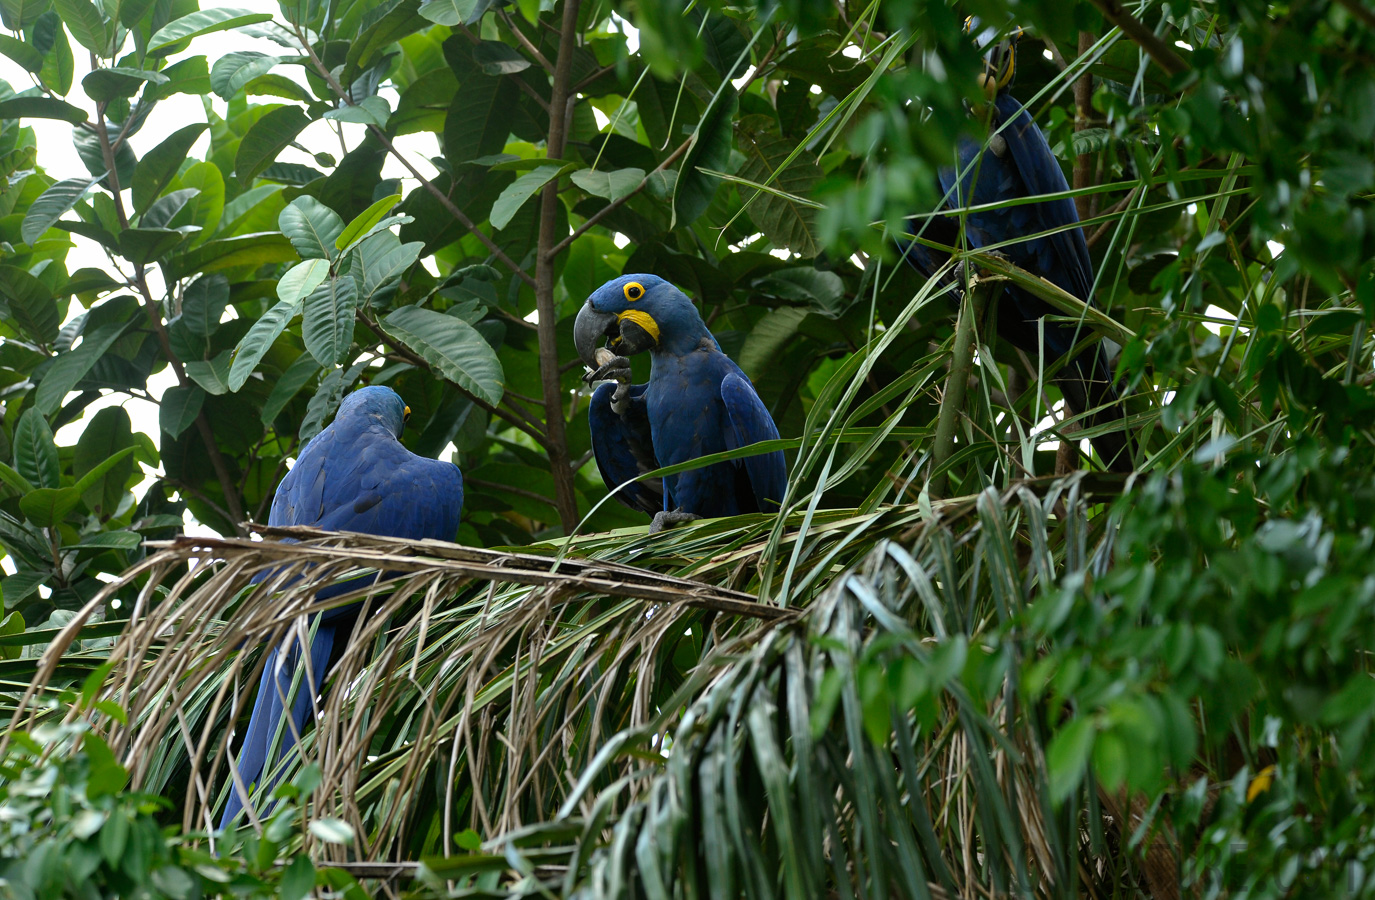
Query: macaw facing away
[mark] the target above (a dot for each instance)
(353, 476)
(1018, 163)
(697, 402)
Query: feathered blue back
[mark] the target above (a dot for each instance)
(353, 476)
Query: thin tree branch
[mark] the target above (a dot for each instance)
(1083, 110)
(234, 512)
(566, 500)
(525, 42)
(1158, 50)
(618, 202)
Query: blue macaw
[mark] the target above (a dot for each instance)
(697, 402)
(1018, 163)
(353, 476)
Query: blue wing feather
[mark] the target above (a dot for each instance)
(353, 476)
(624, 448)
(751, 423)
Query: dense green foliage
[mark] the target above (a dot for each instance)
(1077, 683)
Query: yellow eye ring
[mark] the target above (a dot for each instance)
(633, 291)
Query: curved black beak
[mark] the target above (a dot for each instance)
(589, 328)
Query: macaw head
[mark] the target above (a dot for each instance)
(637, 313)
(380, 403)
(999, 48)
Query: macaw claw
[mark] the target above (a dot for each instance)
(668, 518)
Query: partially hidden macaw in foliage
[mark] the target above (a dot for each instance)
(1017, 163)
(697, 402)
(353, 476)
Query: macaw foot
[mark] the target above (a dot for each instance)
(667, 519)
(612, 368)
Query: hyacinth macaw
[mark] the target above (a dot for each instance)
(1018, 163)
(697, 402)
(353, 476)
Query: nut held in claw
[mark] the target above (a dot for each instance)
(603, 356)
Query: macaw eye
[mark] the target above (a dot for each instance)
(634, 291)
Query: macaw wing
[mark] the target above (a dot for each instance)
(1041, 173)
(751, 423)
(624, 448)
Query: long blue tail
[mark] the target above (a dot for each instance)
(268, 708)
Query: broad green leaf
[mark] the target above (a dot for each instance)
(87, 24)
(59, 65)
(274, 85)
(118, 82)
(31, 304)
(46, 507)
(20, 14)
(301, 279)
(520, 190)
(145, 245)
(479, 118)
(207, 206)
(710, 149)
(368, 111)
(298, 878)
(380, 260)
(213, 375)
(288, 386)
(612, 185)
(22, 53)
(234, 70)
(456, 350)
(785, 222)
(131, 12)
(496, 58)
(165, 208)
(1067, 755)
(327, 328)
(106, 434)
(203, 303)
(190, 76)
(159, 166)
(87, 481)
(228, 253)
(110, 540)
(35, 454)
(179, 408)
(364, 221)
(12, 625)
(17, 482)
(454, 12)
(311, 227)
(266, 138)
(258, 340)
(51, 205)
(70, 367)
(386, 24)
(206, 21)
(386, 223)
(774, 331)
(41, 108)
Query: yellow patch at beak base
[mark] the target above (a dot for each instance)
(643, 319)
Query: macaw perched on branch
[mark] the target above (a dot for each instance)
(697, 402)
(1016, 164)
(353, 476)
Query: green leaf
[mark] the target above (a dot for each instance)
(380, 260)
(131, 12)
(354, 232)
(20, 14)
(386, 24)
(273, 85)
(203, 303)
(206, 207)
(18, 482)
(86, 24)
(456, 350)
(41, 108)
(108, 433)
(110, 540)
(298, 878)
(266, 138)
(513, 198)
(258, 340)
(190, 76)
(612, 185)
(328, 325)
(230, 253)
(710, 149)
(46, 507)
(165, 208)
(368, 111)
(234, 70)
(22, 53)
(70, 367)
(785, 222)
(496, 58)
(159, 166)
(90, 479)
(59, 65)
(774, 331)
(454, 12)
(332, 831)
(179, 408)
(301, 279)
(31, 304)
(207, 21)
(311, 227)
(35, 454)
(1067, 756)
(145, 245)
(479, 118)
(118, 82)
(288, 386)
(13, 624)
(213, 375)
(51, 205)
